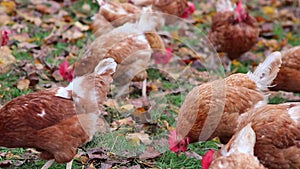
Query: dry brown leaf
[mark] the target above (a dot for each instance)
(141, 115)
(131, 167)
(5, 19)
(126, 121)
(126, 108)
(24, 37)
(73, 34)
(6, 60)
(135, 138)
(150, 153)
(30, 17)
(50, 7)
(23, 84)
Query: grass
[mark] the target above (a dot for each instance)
(174, 161)
(8, 90)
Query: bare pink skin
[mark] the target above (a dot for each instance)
(241, 13)
(178, 146)
(207, 159)
(65, 72)
(189, 11)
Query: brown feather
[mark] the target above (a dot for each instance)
(231, 37)
(288, 78)
(277, 135)
(199, 102)
(57, 121)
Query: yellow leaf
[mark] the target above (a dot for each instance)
(236, 63)
(268, 10)
(126, 107)
(9, 6)
(290, 36)
(169, 128)
(154, 87)
(216, 139)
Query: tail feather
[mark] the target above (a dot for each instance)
(106, 65)
(147, 21)
(267, 71)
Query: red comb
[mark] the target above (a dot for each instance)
(173, 141)
(239, 6)
(5, 38)
(65, 72)
(207, 159)
(190, 10)
(192, 7)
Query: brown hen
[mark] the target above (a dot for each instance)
(277, 135)
(233, 31)
(212, 110)
(130, 45)
(288, 78)
(180, 8)
(58, 120)
(238, 153)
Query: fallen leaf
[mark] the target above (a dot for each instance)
(269, 10)
(126, 108)
(9, 6)
(50, 7)
(23, 37)
(193, 155)
(5, 163)
(5, 19)
(150, 153)
(169, 128)
(23, 84)
(105, 166)
(131, 167)
(33, 78)
(97, 153)
(144, 138)
(81, 26)
(30, 17)
(141, 115)
(141, 102)
(73, 34)
(6, 60)
(126, 121)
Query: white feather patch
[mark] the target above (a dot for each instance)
(42, 114)
(105, 65)
(243, 142)
(294, 113)
(267, 71)
(62, 92)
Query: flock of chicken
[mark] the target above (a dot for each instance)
(256, 135)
